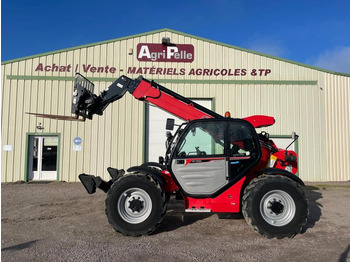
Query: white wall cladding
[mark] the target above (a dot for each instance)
(337, 90)
(295, 108)
(315, 105)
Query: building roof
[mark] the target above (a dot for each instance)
(180, 33)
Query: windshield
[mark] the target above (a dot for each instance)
(175, 138)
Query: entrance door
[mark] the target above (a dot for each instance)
(43, 158)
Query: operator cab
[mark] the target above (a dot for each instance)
(207, 156)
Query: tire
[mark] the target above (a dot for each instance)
(275, 206)
(135, 205)
(230, 215)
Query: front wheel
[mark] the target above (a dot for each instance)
(135, 205)
(275, 206)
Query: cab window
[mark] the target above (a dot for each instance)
(241, 140)
(203, 139)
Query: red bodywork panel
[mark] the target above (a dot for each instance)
(145, 91)
(170, 186)
(260, 120)
(281, 156)
(228, 201)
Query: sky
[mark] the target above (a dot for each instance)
(311, 32)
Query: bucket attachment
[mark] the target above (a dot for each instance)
(115, 173)
(92, 182)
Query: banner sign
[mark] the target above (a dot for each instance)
(165, 53)
(154, 53)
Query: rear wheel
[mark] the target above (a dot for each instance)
(275, 206)
(135, 205)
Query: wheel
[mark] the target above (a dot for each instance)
(135, 205)
(275, 206)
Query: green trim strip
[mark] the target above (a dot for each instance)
(247, 82)
(180, 33)
(174, 81)
(26, 155)
(48, 78)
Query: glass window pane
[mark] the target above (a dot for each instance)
(49, 162)
(35, 154)
(203, 139)
(241, 140)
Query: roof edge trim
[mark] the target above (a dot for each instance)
(180, 33)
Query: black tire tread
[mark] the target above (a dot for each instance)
(132, 177)
(253, 188)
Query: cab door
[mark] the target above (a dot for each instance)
(199, 162)
(243, 147)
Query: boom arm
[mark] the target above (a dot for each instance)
(85, 103)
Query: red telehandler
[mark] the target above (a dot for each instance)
(218, 164)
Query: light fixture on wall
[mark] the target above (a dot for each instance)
(166, 41)
(40, 127)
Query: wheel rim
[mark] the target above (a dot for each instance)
(134, 205)
(277, 208)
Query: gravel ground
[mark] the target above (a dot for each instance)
(61, 222)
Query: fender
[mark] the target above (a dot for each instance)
(155, 164)
(277, 171)
(147, 170)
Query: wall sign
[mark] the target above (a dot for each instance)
(77, 148)
(231, 72)
(77, 144)
(148, 52)
(77, 140)
(165, 53)
(7, 148)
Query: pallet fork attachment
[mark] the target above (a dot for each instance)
(58, 117)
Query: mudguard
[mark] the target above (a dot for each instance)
(154, 164)
(277, 171)
(150, 171)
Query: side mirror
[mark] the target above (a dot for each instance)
(293, 135)
(170, 123)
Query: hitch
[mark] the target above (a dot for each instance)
(91, 182)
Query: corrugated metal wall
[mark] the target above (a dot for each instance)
(116, 139)
(295, 108)
(337, 90)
